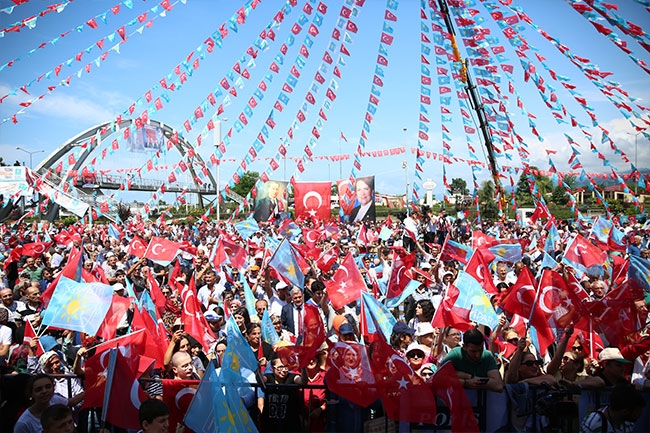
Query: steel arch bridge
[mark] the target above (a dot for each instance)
(106, 130)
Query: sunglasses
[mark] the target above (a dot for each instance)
(281, 367)
(531, 363)
(566, 358)
(513, 340)
(415, 355)
(426, 373)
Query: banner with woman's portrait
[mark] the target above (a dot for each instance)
(361, 207)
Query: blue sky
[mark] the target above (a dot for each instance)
(145, 58)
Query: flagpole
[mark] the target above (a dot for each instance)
(340, 159)
(532, 310)
(42, 331)
(591, 337)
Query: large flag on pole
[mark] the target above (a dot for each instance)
(78, 306)
(313, 199)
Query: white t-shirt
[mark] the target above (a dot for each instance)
(28, 423)
(5, 335)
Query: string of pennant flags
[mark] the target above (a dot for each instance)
(486, 58)
(141, 21)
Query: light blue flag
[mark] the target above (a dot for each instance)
(290, 231)
(201, 416)
(236, 417)
(377, 316)
(639, 271)
(147, 303)
(129, 289)
(547, 262)
(552, 238)
(507, 252)
(272, 243)
(473, 297)
(110, 374)
(238, 353)
(250, 299)
(617, 236)
(247, 228)
(385, 233)
(285, 263)
(78, 306)
(408, 290)
(269, 334)
(601, 229)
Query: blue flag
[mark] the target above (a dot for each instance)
(201, 416)
(473, 297)
(237, 390)
(238, 353)
(269, 334)
(249, 297)
(601, 229)
(78, 306)
(378, 318)
(285, 263)
(247, 228)
(507, 252)
(408, 290)
(639, 271)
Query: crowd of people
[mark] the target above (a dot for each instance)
(483, 358)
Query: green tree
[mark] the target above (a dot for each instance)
(487, 202)
(246, 183)
(522, 191)
(458, 186)
(559, 196)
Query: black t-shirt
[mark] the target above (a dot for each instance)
(282, 405)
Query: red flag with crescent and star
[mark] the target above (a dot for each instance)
(137, 247)
(346, 284)
(161, 250)
(313, 199)
(35, 249)
(178, 394)
(399, 278)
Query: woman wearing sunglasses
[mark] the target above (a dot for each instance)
(525, 367)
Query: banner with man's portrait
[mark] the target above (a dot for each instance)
(362, 205)
(270, 201)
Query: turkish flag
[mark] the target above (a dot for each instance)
(178, 395)
(346, 284)
(448, 314)
(582, 252)
(399, 277)
(193, 319)
(311, 237)
(480, 239)
(615, 316)
(478, 268)
(313, 199)
(350, 375)
(521, 299)
(405, 395)
(447, 387)
(35, 249)
(156, 294)
(29, 334)
(124, 392)
(328, 258)
(235, 253)
(117, 310)
(137, 247)
(161, 250)
(96, 365)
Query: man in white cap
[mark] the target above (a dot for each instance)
(612, 367)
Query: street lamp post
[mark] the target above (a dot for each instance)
(31, 153)
(406, 181)
(217, 138)
(636, 136)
